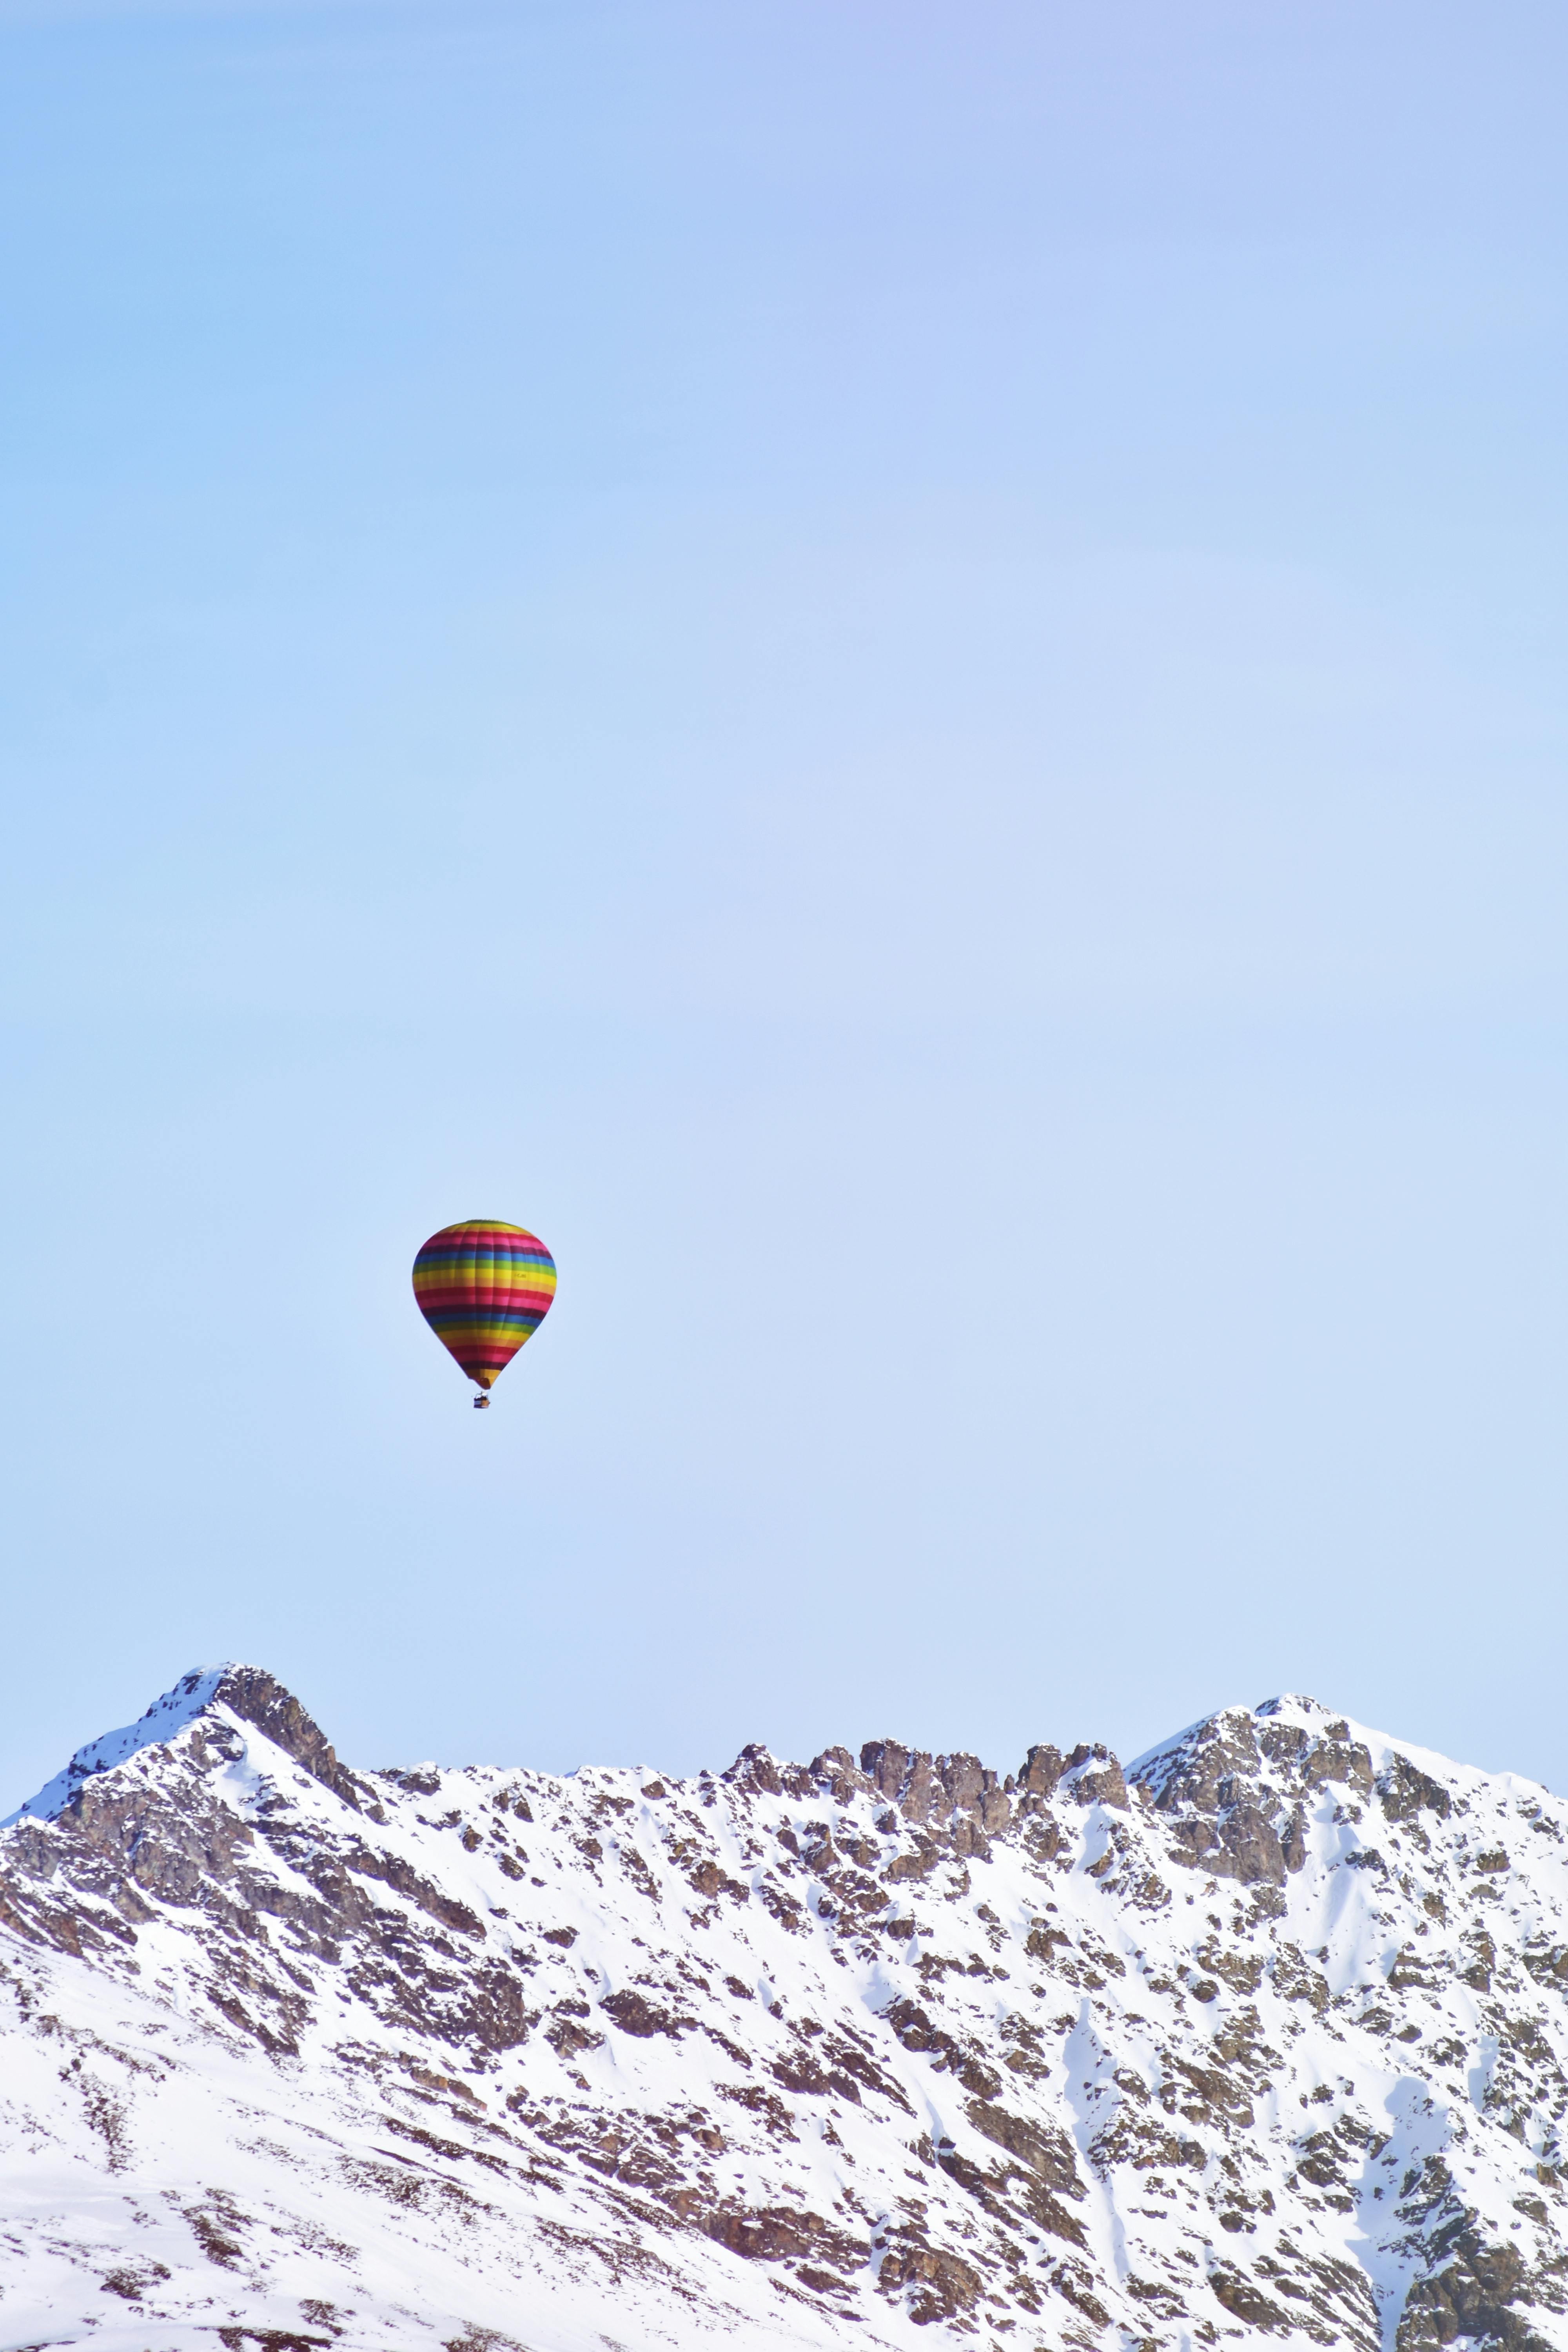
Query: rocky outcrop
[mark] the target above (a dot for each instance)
(258, 1699)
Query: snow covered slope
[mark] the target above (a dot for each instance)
(1265, 2039)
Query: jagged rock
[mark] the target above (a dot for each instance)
(1046, 2152)
(945, 2282)
(1040, 1772)
(1092, 1776)
(1403, 1792)
(1481, 2296)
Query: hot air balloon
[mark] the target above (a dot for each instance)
(484, 1289)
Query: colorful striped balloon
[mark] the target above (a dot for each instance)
(484, 1289)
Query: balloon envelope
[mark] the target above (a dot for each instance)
(484, 1289)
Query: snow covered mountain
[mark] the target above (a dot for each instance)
(1264, 2038)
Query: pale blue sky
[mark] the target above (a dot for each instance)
(899, 671)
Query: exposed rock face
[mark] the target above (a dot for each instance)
(1263, 2037)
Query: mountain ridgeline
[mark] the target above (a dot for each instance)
(1263, 2037)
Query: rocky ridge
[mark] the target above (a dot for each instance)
(1264, 2036)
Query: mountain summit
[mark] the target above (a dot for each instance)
(1262, 2036)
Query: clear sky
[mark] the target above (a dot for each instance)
(897, 669)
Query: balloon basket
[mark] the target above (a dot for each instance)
(481, 1404)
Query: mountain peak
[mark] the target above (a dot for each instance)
(1293, 1703)
(246, 1693)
